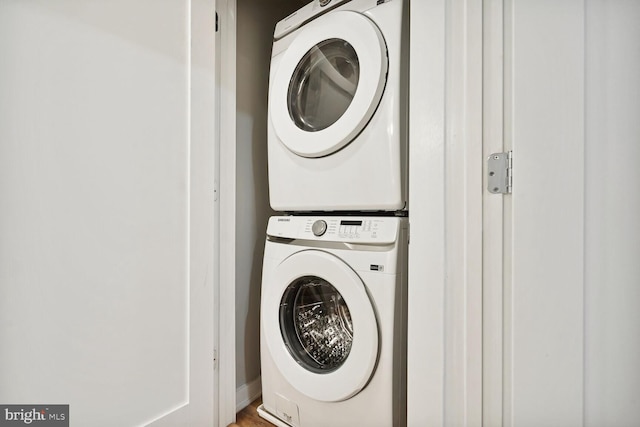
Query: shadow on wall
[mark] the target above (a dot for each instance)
(256, 23)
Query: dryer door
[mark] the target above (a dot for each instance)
(328, 83)
(320, 326)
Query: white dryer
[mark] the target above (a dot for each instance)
(337, 131)
(333, 328)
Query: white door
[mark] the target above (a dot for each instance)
(558, 263)
(567, 300)
(106, 219)
(444, 353)
(328, 83)
(544, 257)
(320, 326)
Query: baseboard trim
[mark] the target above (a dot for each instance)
(247, 393)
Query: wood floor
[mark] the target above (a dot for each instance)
(249, 417)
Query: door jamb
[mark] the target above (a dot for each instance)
(226, 351)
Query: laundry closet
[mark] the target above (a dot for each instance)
(523, 296)
(344, 153)
(479, 88)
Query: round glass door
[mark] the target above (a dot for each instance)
(316, 324)
(327, 84)
(323, 85)
(320, 329)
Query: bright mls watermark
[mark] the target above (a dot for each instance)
(36, 415)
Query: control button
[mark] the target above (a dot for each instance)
(323, 3)
(319, 227)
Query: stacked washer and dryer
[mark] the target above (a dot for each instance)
(333, 304)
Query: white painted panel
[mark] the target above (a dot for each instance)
(547, 111)
(94, 183)
(426, 290)
(612, 270)
(492, 237)
(226, 242)
(463, 215)
(445, 252)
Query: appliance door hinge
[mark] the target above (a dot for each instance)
(500, 173)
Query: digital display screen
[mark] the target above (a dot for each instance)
(349, 222)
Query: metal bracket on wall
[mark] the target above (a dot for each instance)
(500, 173)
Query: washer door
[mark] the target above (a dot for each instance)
(328, 84)
(320, 326)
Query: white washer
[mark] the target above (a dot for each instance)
(337, 127)
(333, 328)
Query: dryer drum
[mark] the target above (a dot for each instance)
(316, 324)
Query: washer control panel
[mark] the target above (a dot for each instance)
(379, 230)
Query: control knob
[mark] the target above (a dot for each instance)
(319, 227)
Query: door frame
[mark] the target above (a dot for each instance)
(226, 189)
(444, 357)
(446, 166)
(205, 315)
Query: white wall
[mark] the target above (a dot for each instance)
(427, 258)
(612, 211)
